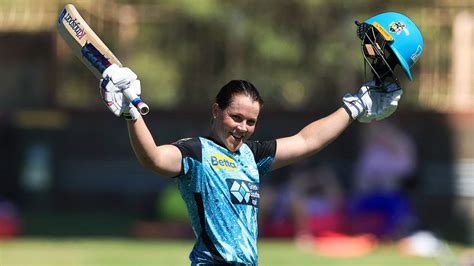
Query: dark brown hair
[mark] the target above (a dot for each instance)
(236, 87)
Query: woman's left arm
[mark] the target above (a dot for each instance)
(370, 103)
(311, 139)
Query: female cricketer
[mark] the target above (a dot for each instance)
(218, 175)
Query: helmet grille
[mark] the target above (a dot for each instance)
(377, 53)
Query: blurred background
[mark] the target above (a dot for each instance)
(67, 170)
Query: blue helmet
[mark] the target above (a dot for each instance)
(389, 39)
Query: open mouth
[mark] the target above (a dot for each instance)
(237, 137)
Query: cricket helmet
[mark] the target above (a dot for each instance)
(389, 39)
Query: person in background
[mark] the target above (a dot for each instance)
(378, 204)
(317, 200)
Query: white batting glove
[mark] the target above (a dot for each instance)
(373, 102)
(120, 76)
(115, 80)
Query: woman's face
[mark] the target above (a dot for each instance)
(236, 123)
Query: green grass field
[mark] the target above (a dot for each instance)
(124, 251)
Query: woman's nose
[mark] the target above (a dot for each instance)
(242, 126)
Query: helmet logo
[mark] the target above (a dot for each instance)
(398, 27)
(416, 55)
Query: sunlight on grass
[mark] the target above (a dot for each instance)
(122, 251)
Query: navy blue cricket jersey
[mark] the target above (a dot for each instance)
(221, 191)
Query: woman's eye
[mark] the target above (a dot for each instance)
(236, 118)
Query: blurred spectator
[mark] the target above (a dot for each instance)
(310, 202)
(275, 207)
(316, 201)
(9, 219)
(378, 205)
(318, 208)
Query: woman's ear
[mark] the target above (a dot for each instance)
(215, 110)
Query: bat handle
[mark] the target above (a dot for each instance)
(136, 101)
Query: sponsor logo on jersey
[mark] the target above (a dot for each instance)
(75, 26)
(243, 192)
(223, 162)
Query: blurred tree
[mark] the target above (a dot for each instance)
(301, 54)
(195, 47)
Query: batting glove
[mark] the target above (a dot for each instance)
(373, 102)
(120, 76)
(115, 80)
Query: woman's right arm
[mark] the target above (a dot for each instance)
(165, 160)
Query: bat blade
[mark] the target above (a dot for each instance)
(84, 42)
(90, 49)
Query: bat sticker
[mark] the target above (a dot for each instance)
(96, 58)
(75, 26)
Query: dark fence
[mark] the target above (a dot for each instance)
(84, 164)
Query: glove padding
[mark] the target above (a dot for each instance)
(115, 80)
(373, 102)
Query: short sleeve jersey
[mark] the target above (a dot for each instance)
(221, 191)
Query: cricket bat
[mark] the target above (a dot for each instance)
(90, 49)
